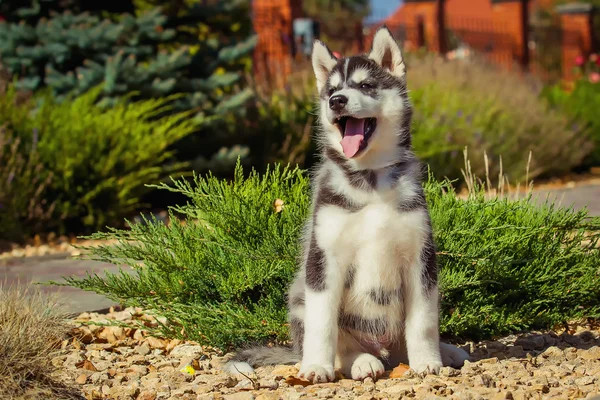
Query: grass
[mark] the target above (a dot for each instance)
(32, 326)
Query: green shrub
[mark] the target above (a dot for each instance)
(582, 103)
(201, 51)
(99, 158)
(22, 177)
(220, 276)
(283, 124)
(23, 210)
(489, 110)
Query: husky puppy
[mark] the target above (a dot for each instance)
(366, 293)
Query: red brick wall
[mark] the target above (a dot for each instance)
(272, 21)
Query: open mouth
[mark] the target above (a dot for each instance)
(356, 133)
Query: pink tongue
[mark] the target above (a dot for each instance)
(353, 136)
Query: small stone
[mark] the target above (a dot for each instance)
(98, 377)
(449, 372)
(239, 396)
(136, 371)
(81, 379)
(400, 389)
(244, 384)
(125, 392)
(143, 349)
(156, 343)
(268, 384)
(325, 393)
(147, 395)
(268, 396)
(172, 344)
(485, 380)
(571, 353)
(284, 371)
(493, 360)
(553, 353)
(187, 351)
(585, 380)
(593, 354)
(138, 334)
(540, 388)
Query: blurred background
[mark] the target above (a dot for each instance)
(99, 99)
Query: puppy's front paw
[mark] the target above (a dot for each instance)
(427, 367)
(453, 356)
(317, 373)
(367, 365)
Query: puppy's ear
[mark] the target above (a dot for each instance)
(323, 62)
(386, 52)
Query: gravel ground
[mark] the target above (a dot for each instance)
(124, 363)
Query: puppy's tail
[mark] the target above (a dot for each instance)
(244, 361)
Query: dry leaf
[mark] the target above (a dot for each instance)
(293, 381)
(278, 205)
(399, 371)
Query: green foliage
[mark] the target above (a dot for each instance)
(22, 183)
(284, 121)
(201, 51)
(98, 157)
(77, 52)
(489, 110)
(582, 103)
(22, 178)
(220, 277)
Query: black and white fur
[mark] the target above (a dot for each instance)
(367, 292)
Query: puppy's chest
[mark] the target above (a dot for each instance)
(373, 229)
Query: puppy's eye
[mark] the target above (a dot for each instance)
(331, 91)
(366, 85)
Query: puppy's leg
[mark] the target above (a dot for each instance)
(422, 313)
(355, 362)
(324, 285)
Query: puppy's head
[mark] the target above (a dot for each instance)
(364, 107)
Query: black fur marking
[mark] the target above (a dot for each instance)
(368, 86)
(315, 266)
(349, 281)
(328, 89)
(376, 326)
(400, 169)
(297, 334)
(328, 197)
(362, 179)
(385, 297)
(297, 300)
(428, 258)
(417, 202)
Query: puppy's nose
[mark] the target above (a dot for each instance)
(336, 103)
